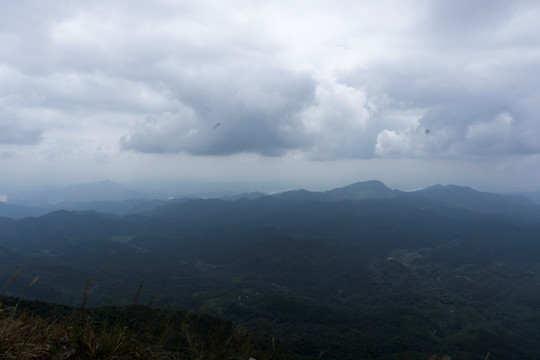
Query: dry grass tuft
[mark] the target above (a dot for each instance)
(79, 336)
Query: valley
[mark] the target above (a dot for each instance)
(360, 271)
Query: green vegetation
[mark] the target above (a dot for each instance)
(388, 278)
(35, 330)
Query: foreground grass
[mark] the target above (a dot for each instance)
(33, 330)
(36, 330)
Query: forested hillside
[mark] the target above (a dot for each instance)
(357, 272)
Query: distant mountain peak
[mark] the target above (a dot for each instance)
(467, 197)
(451, 189)
(365, 185)
(370, 189)
(433, 187)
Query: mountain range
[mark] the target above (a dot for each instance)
(110, 197)
(361, 271)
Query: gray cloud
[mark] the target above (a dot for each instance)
(278, 87)
(468, 70)
(462, 18)
(14, 131)
(257, 111)
(362, 80)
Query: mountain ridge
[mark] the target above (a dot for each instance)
(441, 268)
(132, 202)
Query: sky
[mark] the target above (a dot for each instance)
(314, 94)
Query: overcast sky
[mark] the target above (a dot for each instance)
(320, 93)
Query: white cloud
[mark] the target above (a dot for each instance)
(391, 143)
(336, 122)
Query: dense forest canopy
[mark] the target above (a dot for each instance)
(359, 271)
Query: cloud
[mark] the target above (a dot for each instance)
(275, 114)
(495, 136)
(164, 133)
(101, 157)
(389, 142)
(15, 131)
(277, 79)
(466, 70)
(455, 19)
(257, 112)
(336, 121)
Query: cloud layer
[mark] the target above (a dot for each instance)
(426, 79)
(14, 131)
